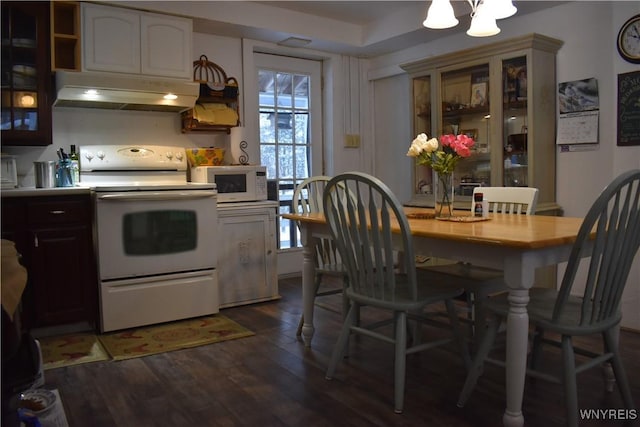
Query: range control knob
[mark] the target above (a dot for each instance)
(101, 155)
(179, 155)
(169, 155)
(88, 155)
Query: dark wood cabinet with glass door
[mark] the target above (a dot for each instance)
(26, 74)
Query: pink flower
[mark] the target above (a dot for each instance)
(443, 160)
(460, 144)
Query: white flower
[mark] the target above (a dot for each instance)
(422, 144)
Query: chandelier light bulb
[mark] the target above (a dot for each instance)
(440, 15)
(483, 22)
(501, 8)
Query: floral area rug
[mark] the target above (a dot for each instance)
(156, 339)
(72, 349)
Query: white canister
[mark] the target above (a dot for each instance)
(239, 145)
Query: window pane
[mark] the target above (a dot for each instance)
(301, 90)
(267, 126)
(285, 134)
(302, 127)
(285, 164)
(302, 161)
(268, 159)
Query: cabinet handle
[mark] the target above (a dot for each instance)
(35, 240)
(57, 212)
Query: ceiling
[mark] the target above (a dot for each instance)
(358, 28)
(354, 12)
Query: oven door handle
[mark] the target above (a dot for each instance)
(157, 196)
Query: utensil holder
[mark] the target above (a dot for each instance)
(65, 173)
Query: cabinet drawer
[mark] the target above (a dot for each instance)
(57, 212)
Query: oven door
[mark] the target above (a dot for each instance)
(144, 233)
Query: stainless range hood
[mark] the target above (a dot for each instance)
(123, 92)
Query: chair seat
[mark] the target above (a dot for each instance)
(540, 309)
(331, 269)
(471, 277)
(431, 288)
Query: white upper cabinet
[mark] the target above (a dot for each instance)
(127, 41)
(166, 42)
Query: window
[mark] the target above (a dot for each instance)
(290, 129)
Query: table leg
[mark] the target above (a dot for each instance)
(519, 273)
(308, 288)
(516, 364)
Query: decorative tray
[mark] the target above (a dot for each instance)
(421, 215)
(463, 218)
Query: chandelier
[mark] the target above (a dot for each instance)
(483, 16)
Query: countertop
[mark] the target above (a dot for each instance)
(36, 192)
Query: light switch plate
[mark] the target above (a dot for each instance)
(352, 140)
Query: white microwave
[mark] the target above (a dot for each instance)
(242, 183)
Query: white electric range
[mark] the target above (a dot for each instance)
(156, 235)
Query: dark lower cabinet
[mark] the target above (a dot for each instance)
(54, 237)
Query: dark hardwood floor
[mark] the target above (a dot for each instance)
(272, 379)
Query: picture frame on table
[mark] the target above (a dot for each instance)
(478, 94)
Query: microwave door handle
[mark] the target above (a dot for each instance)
(157, 196)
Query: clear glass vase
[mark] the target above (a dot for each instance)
(443, 193)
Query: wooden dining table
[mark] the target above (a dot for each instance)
(516, 244)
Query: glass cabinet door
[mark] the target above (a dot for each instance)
(25, 110)
(465, 97)
(422, 124)
(515, 149)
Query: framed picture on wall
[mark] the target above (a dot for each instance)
(478, 94)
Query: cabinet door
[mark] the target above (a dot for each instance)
(422, 124)
(166, 45)
(515, 130)
(465, 110)
(110, 39)
(247, 257)
(26, 83)
(64, 287)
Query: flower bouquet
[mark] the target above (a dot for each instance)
(442, 157)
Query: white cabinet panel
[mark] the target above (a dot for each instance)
(167, 46)
(111, 39)
(127, 41)
(247, 268)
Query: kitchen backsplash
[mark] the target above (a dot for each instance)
(83, 127)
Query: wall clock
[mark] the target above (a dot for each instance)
(629, 40)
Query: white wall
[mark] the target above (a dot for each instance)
(589, 31)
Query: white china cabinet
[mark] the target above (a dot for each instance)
(502, 94)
